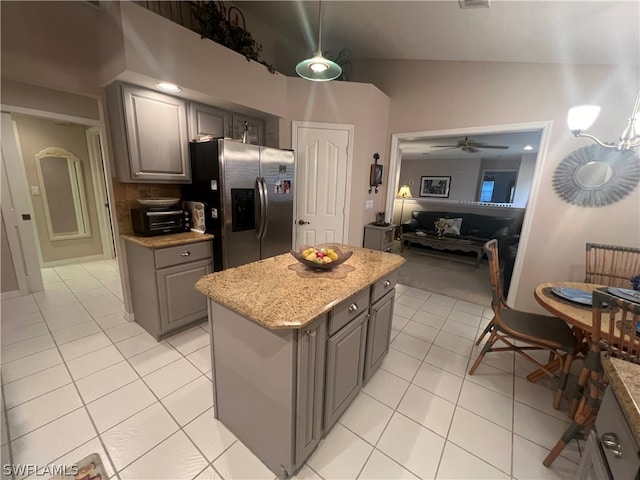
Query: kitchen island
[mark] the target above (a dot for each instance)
(292, 347)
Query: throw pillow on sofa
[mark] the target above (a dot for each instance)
(451, 225)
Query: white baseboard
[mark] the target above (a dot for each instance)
(11, 294)
(68, 261)
(129, 316)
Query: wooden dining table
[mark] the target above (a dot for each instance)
(577, 315)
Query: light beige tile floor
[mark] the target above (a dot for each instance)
(78, 379)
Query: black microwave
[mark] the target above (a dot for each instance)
(159, 222)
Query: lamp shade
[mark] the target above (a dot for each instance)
(404, 192)
(318, 69)
(582, 117)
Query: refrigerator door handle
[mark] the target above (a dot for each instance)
(261, 211)
(265, 210)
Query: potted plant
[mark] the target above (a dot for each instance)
(213, 21)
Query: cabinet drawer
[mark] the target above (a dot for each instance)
(348, 310)
(612, 422)
(166, 257)
(383, 286)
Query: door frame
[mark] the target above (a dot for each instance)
(544, 126)
(17, 210)
(295, 125)
(15, 175)
(95, 142)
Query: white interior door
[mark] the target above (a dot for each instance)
(17, 211)
(323, 167)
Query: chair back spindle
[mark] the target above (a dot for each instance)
(611, 265)
(621, 339)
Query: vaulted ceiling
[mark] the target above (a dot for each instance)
(605, 32)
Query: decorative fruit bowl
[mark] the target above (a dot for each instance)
(323, 257)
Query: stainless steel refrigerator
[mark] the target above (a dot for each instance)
(247, 191)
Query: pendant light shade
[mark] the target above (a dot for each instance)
(318, 68)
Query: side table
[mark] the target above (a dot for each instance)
(379, 237)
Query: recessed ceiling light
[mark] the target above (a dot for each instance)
(528, 147)
(168, 87)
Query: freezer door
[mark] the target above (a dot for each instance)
(240, 167)
(277, 171)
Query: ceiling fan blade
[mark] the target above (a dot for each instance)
(501, 147)
(471, 149)
(445, 146)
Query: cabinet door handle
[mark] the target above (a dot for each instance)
(137, 174)
(387, 283)
(186, 253)
(610, 442)
(353, 307)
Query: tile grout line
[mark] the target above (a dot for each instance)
(159, 401)
(422, 361)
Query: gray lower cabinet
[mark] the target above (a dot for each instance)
(345, 366)
(310, 388)
(378, 333)
(162, 285)
(180, 303)
(149, 133)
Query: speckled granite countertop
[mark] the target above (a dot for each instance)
(624, 378)
(272, 294)
(169, 240)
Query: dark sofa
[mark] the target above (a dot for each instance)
(474, 227)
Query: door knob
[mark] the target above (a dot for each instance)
(302, 222)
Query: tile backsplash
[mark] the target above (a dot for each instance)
(126, 194)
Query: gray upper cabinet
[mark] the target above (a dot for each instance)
(149, 131)
(255, 128)
(207, 120)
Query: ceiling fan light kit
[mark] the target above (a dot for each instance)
(318, 68)
(581, 118)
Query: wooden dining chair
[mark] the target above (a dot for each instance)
(538, 332)
(614, 334)
(611, 265)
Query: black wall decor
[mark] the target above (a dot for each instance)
(375, 177)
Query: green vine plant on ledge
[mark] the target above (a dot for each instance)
(213, 21)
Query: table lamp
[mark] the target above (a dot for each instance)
(403, 193)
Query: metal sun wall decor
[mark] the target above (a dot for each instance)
(594, 176)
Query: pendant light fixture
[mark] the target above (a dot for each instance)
(318, 68)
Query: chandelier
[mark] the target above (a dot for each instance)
(582, 117)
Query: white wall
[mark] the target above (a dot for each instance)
(365, 107)
(35, 135)
(68, 46)
(429, 96)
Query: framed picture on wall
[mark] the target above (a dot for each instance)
(435, 186)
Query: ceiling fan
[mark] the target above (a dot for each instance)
(470, 146)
